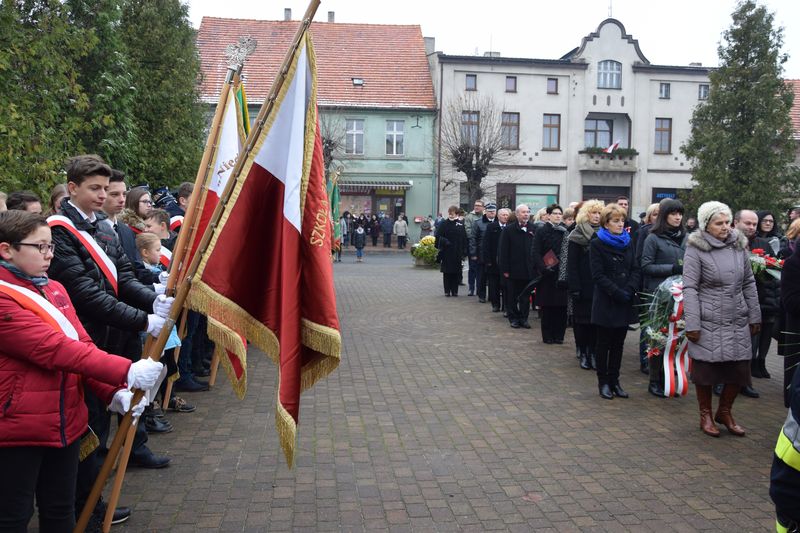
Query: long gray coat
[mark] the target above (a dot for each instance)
(720, 298)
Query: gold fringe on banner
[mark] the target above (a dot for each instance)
(328, 343)
(227, 340)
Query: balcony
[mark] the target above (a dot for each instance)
(621, 160)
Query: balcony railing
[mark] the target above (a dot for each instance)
(620, 160)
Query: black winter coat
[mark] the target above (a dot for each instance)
(451, 241)
(769, 288)
(549, 238)
(661, 258)
(616, 279)
(789, 347)
(489, 245)
(515, 252)
(92, 295)
(359, 239)
(580, 282)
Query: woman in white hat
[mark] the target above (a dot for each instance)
(721, 311)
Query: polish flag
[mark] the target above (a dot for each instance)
(611, 148)
(267, 271)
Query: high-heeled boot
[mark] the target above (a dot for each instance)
(724, 416)
(584, 356)
(704, 401)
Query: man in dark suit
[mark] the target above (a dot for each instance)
(515, 260)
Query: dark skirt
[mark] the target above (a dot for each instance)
(727, 372)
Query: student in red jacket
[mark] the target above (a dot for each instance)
(46, 359)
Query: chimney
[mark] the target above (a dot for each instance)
(430, 45)
(695, 64)
(331, 16)
(491, 54)
(287, 13)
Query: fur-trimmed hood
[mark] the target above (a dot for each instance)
(132, 219)
(703, 240)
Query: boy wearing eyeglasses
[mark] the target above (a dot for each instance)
(46, 359)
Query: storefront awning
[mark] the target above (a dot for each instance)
(363, 185)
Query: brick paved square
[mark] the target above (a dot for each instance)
(442, 418)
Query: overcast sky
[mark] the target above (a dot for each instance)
(676, 32)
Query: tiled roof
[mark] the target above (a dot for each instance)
(795, 112)
(389, 58)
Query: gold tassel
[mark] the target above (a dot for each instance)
(89, 443)
(227, 340)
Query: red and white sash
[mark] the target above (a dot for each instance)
(38, 305)
(166, 257)
(175, 222)
(106, 265)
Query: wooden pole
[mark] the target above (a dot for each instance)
(121, 466)
(212, 377)
(183, 288)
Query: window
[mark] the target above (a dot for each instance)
(609, 74)
(552, 85)
(354, 137)
(551, 137)
(702, 91)
(536, 196)
(509, 131)
(663, 136)
(511, 84)
(469, 127)
(472, 82)
(597, 133)
(663, 91)
(394, 137)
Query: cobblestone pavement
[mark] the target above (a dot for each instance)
(442, 418)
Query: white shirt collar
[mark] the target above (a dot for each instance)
(90, 218)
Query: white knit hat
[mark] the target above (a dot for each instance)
(708, 210)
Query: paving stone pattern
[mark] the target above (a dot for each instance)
(442, 418)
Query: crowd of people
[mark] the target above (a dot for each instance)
(593, 268)
(82, 282)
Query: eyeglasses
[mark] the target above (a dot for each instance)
(146, 202)
(43, 248)
(767, 221)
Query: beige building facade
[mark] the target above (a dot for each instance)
(557, 115)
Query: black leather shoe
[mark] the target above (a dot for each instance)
(558, 341)
(145, 458)
(505, 314)
(750, 392)
(585, 362)
(526, 324)
(189, 384)
(656, 390)
(515, 325)
(120, 515)
(644, 367)
(593, 361)
(605, 392)
(619, 391)
(495, 309)
(718, 389)
(153, 424)
(471, 293)
(482, 300)
(206, 372)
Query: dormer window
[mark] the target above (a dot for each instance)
(358, 82)
(609, 74)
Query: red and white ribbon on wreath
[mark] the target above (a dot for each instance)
(676, 355)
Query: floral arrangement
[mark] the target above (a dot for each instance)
(664, 333)
(425, 250)
(764, 265)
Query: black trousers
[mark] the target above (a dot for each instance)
(472, 273)
(585, 337)
(554, 323)
(374, 239)
(48, 474)
(480, 281)
(762, 341)
(495, 289)
(610, 342)
(387, 240)
(401, 241)
(451, 283)
(518, 311)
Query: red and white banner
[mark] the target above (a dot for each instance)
(677, 364)
(166, 257)
(267, 272)
(611, 148)
(39, 306)
(104, 263)
(175, 222)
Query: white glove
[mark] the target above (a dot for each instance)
(121, 403)
(143, 374)
(154, 324)
(159, 288)
(163, 276)
(162, 305)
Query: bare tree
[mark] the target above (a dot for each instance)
(333, 139)
(472, 139)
